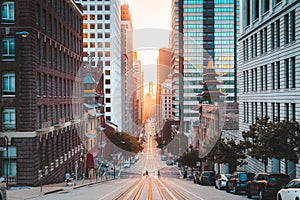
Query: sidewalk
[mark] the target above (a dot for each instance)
(22, 193)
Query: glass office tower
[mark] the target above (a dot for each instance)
(209, 30)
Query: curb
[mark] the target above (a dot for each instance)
(53, 191)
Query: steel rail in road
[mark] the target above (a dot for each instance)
(168, 192)
(133, 191)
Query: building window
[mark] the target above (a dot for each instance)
(278, 33)
(9, 118)
(266, 5)
(9, 163)
(107, 100)
(256, 9)
(255, 45)
(248, 13)
(39, 118)
(293, 29)
(252, 47)
(252, 80)
(266, 77)
(45, 85)
(51, 86)
(106, 7)
(273, 111)
(286, 29)
(278, 74)
(247, 49)
(8, 84)
(266, 39)
(247, 80)
(8, 49)
(278, 112)
(108, 109)
(45, 114)
(273, 75)
(286, 63)
(287, 112)
(272, 36)
(293, 105)
(244, 76)
(293, 72)
(107, 82)
(261, 42)
(38, 85)
(261, 109)
(8, 12)
(261, 78)
(255, 76)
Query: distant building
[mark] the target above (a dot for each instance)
(128, 81)
(163, 71)
(102, 48)
(209, 30)
(268, 68)
(41, 96)
(165, 104)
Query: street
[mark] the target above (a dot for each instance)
(134, 184)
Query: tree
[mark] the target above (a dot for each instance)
(266, 140)
(189, 158)
(257, 140)
(228, 151)
(286, 136)
(125, 141)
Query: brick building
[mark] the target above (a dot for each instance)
(41, 99)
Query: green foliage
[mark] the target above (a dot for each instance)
(227, 151)
(189, 158)
(266, 140)
(125, 141)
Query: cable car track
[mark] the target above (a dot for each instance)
(133, 191)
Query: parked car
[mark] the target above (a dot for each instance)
(126, 164)
(170, 162)
(291, 191)
(196, 178)
(238, 182)
(266, 185)
(207, 178)
(221, 181)
(163, 158)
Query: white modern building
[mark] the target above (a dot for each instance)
(166, 100)
(269, 68)
(102, 49)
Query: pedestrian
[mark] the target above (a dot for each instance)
(158, 173)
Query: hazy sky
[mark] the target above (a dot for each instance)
(151, 21)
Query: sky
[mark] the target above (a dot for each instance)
(151, 20)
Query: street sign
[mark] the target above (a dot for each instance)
(198, 164)
(2, 149)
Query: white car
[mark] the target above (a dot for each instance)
(291, 191)
(221, 181)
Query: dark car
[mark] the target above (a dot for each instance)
(266, 185)
(238, 182)
(197, 178)
(207, 178)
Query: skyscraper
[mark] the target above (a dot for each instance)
(208, 31)
(102, 47)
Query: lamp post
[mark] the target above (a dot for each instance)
(6, 144)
